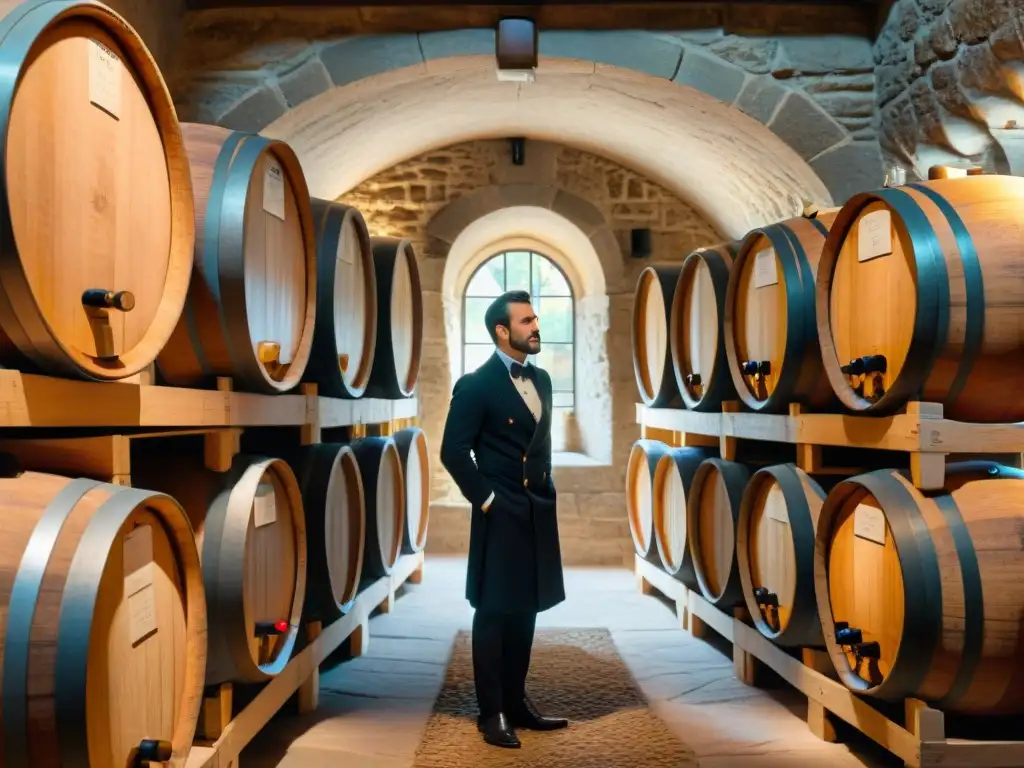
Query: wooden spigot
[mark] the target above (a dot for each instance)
(343, 363)
(98, 302)
(151, 751)
(100, 298)
(269, 355)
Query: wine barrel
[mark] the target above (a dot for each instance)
(769, 327)
(652, 363)
(335, 516)
(104, 624)
(640, 472)
(251, 304)
(673, 478)
(775, 554)
(937, 262)
(931, 584)
(251, 531)
(696, 338)
(97, 219)
(346, 306)
(412, 448)
(384, 490)
(712, 509)
(396, 358)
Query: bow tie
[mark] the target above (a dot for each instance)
(521, 371)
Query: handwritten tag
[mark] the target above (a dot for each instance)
(776, 504)
(142, 614)
(137, 556)
(264, 508)
(273, 191)
(765, 271)
(874, 235)
(869, 523)
(105, 79)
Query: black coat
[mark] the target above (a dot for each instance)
(515, 564)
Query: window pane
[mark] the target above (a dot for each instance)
(474, 328)
(557, 360)
(563, 399)
(517, 271)
(489, 279)
(555, 319)
(476, 355)
(547, 279)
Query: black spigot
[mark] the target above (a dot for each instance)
(849, 636)
(270, 628)
(693, 379)
(840, 625)
(870, 650)
(152, 751)
(100, 298)
(756, 367)
(867, 364)
(766, 598)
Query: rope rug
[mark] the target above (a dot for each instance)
(576, 674)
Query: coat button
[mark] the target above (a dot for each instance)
(543, 476)
(524, 458)
(526, 483)
(510, 421)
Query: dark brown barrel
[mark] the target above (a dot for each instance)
(335, 513)
(97, 214)
(412, 448)
(712, 509)
(918, 298)
(652, 363)
(696, 337)
(100, 582)
(640, 472)
(346, 311)
(251, 305)
(931, 584)
(384, 490)
(775, 554)
(396, 360)
(673, 478)
(771, 338)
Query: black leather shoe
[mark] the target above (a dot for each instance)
(525, 715)
(498, 731)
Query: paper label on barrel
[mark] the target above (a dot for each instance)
(141, 614)
(347, 246)
(137, 555)
(869, 523)
(765, 272)
(776, 508)
(264, 509)
(874, 235)
(105, 79)
(273, 191)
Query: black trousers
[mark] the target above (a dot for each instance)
(501, 658)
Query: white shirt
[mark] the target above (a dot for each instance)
(528, 391)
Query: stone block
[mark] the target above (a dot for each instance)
(354, 58)
(760, 97)
(639, 51)
(710, 75)
(852, 168)
(580, 212)
(304, 82)
(537, 195)
(805, 126)
(457, 42)
(753, 54)
(256, 111)
(824, 54)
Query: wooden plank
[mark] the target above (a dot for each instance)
(102, 458)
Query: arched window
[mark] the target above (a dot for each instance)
(552, 300)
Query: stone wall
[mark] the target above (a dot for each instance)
(402, 202)
(949, 85)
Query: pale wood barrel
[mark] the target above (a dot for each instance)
(413, 450)
(251, 305)
(345, 332)
(673, 478)
(384, 490)
(251, 530)
(931, 583)
(396, 361)
(696, 338)
(640, 472)
(335, 515)
(770, 329)
(652, 361)
(712, 510)
(935, 267)
(775, 554)
(97, 214)
(105, 638)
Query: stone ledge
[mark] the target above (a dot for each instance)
(805, 126)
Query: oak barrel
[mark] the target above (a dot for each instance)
(673, 478)
(345, 332)
(251, 531)
(384, 490)
(335, 515)
(251, 305)
(770, 331)
(775, 554)
(918, 298)
(105, 624)
(929, 587)
(696, 338)
(652, 363)
(396, 359)
(712, 510)
(640, 472)
(97, 219)
(413, 450)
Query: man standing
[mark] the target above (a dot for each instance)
(501, 415)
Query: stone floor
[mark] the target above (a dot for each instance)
(373, 709)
